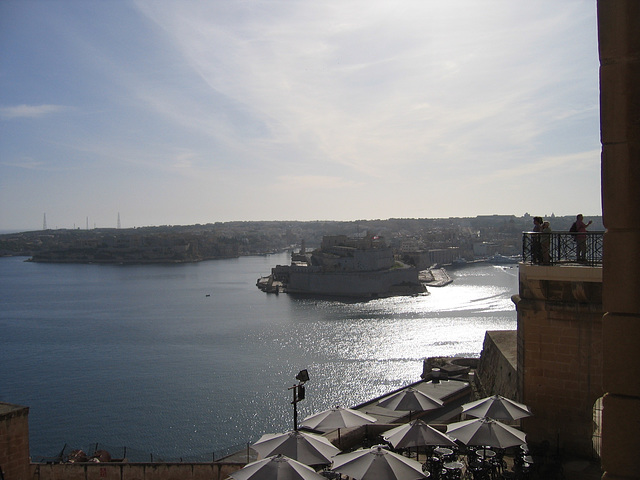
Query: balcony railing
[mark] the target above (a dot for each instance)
(562, 248)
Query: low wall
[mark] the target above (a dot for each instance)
(497, 368)
(14, 442)
(133, 471)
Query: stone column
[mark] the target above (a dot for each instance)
(619, 46)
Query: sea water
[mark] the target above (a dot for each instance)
(188, 361)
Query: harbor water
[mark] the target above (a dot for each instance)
(187, 361)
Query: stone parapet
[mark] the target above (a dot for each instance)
(14, 442)
(139, 471)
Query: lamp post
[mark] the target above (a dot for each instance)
(298, 394)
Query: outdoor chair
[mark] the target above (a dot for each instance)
(452, 471)
(330, 475)
(433, 465)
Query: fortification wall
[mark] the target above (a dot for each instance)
(350, 284)
(14, 442)
(560, 353)
(133, 471)
(497, 368)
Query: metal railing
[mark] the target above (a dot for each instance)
(116, 454)
(562, 248)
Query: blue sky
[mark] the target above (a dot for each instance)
(180, 112)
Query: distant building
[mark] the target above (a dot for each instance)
(485, 249)
(349, 267)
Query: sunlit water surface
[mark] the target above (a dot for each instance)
(140, 356)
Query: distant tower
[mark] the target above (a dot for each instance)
(87, 223)
(118, 220)
(44, 222)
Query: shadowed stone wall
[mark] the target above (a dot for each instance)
(560, 353)
(619, 48)
(133, 471)
(14, 442)
(497, 368)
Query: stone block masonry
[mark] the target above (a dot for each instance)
(560, 353)
(497, 368)
(14, 442)
(619, 49)
(134, 471)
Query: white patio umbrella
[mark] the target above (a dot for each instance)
(336, 418)
(277, 467)
(377, 463)
(486, 432)
(304, 447)
(416, 434)
(496, 407)
(412, 400)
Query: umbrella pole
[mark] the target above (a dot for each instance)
(295, 408)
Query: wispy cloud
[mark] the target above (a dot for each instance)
(227, 100)
(547, 166)
(25, 162)
(371, 86)
(302, 183)
(30, 111)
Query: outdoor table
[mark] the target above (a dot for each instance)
(485, 454)
(524, 466)
(445, 453)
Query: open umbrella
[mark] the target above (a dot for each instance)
(277, 467)
(377, 463)
(410, 399)
(416, 434)
(337, 417)
(486, 432)
(301, 446)
(497, 407)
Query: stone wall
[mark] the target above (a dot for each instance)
(619, 48)
(360, 284)
(14, 442)
(560, 353)
(497, 368)
(133, 471)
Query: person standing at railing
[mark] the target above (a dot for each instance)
(545, 242)
(581, 237)
(536, 246)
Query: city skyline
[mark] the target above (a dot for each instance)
(173, 112)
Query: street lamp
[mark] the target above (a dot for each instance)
(298, 394)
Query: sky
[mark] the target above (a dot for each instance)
(176, 112)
